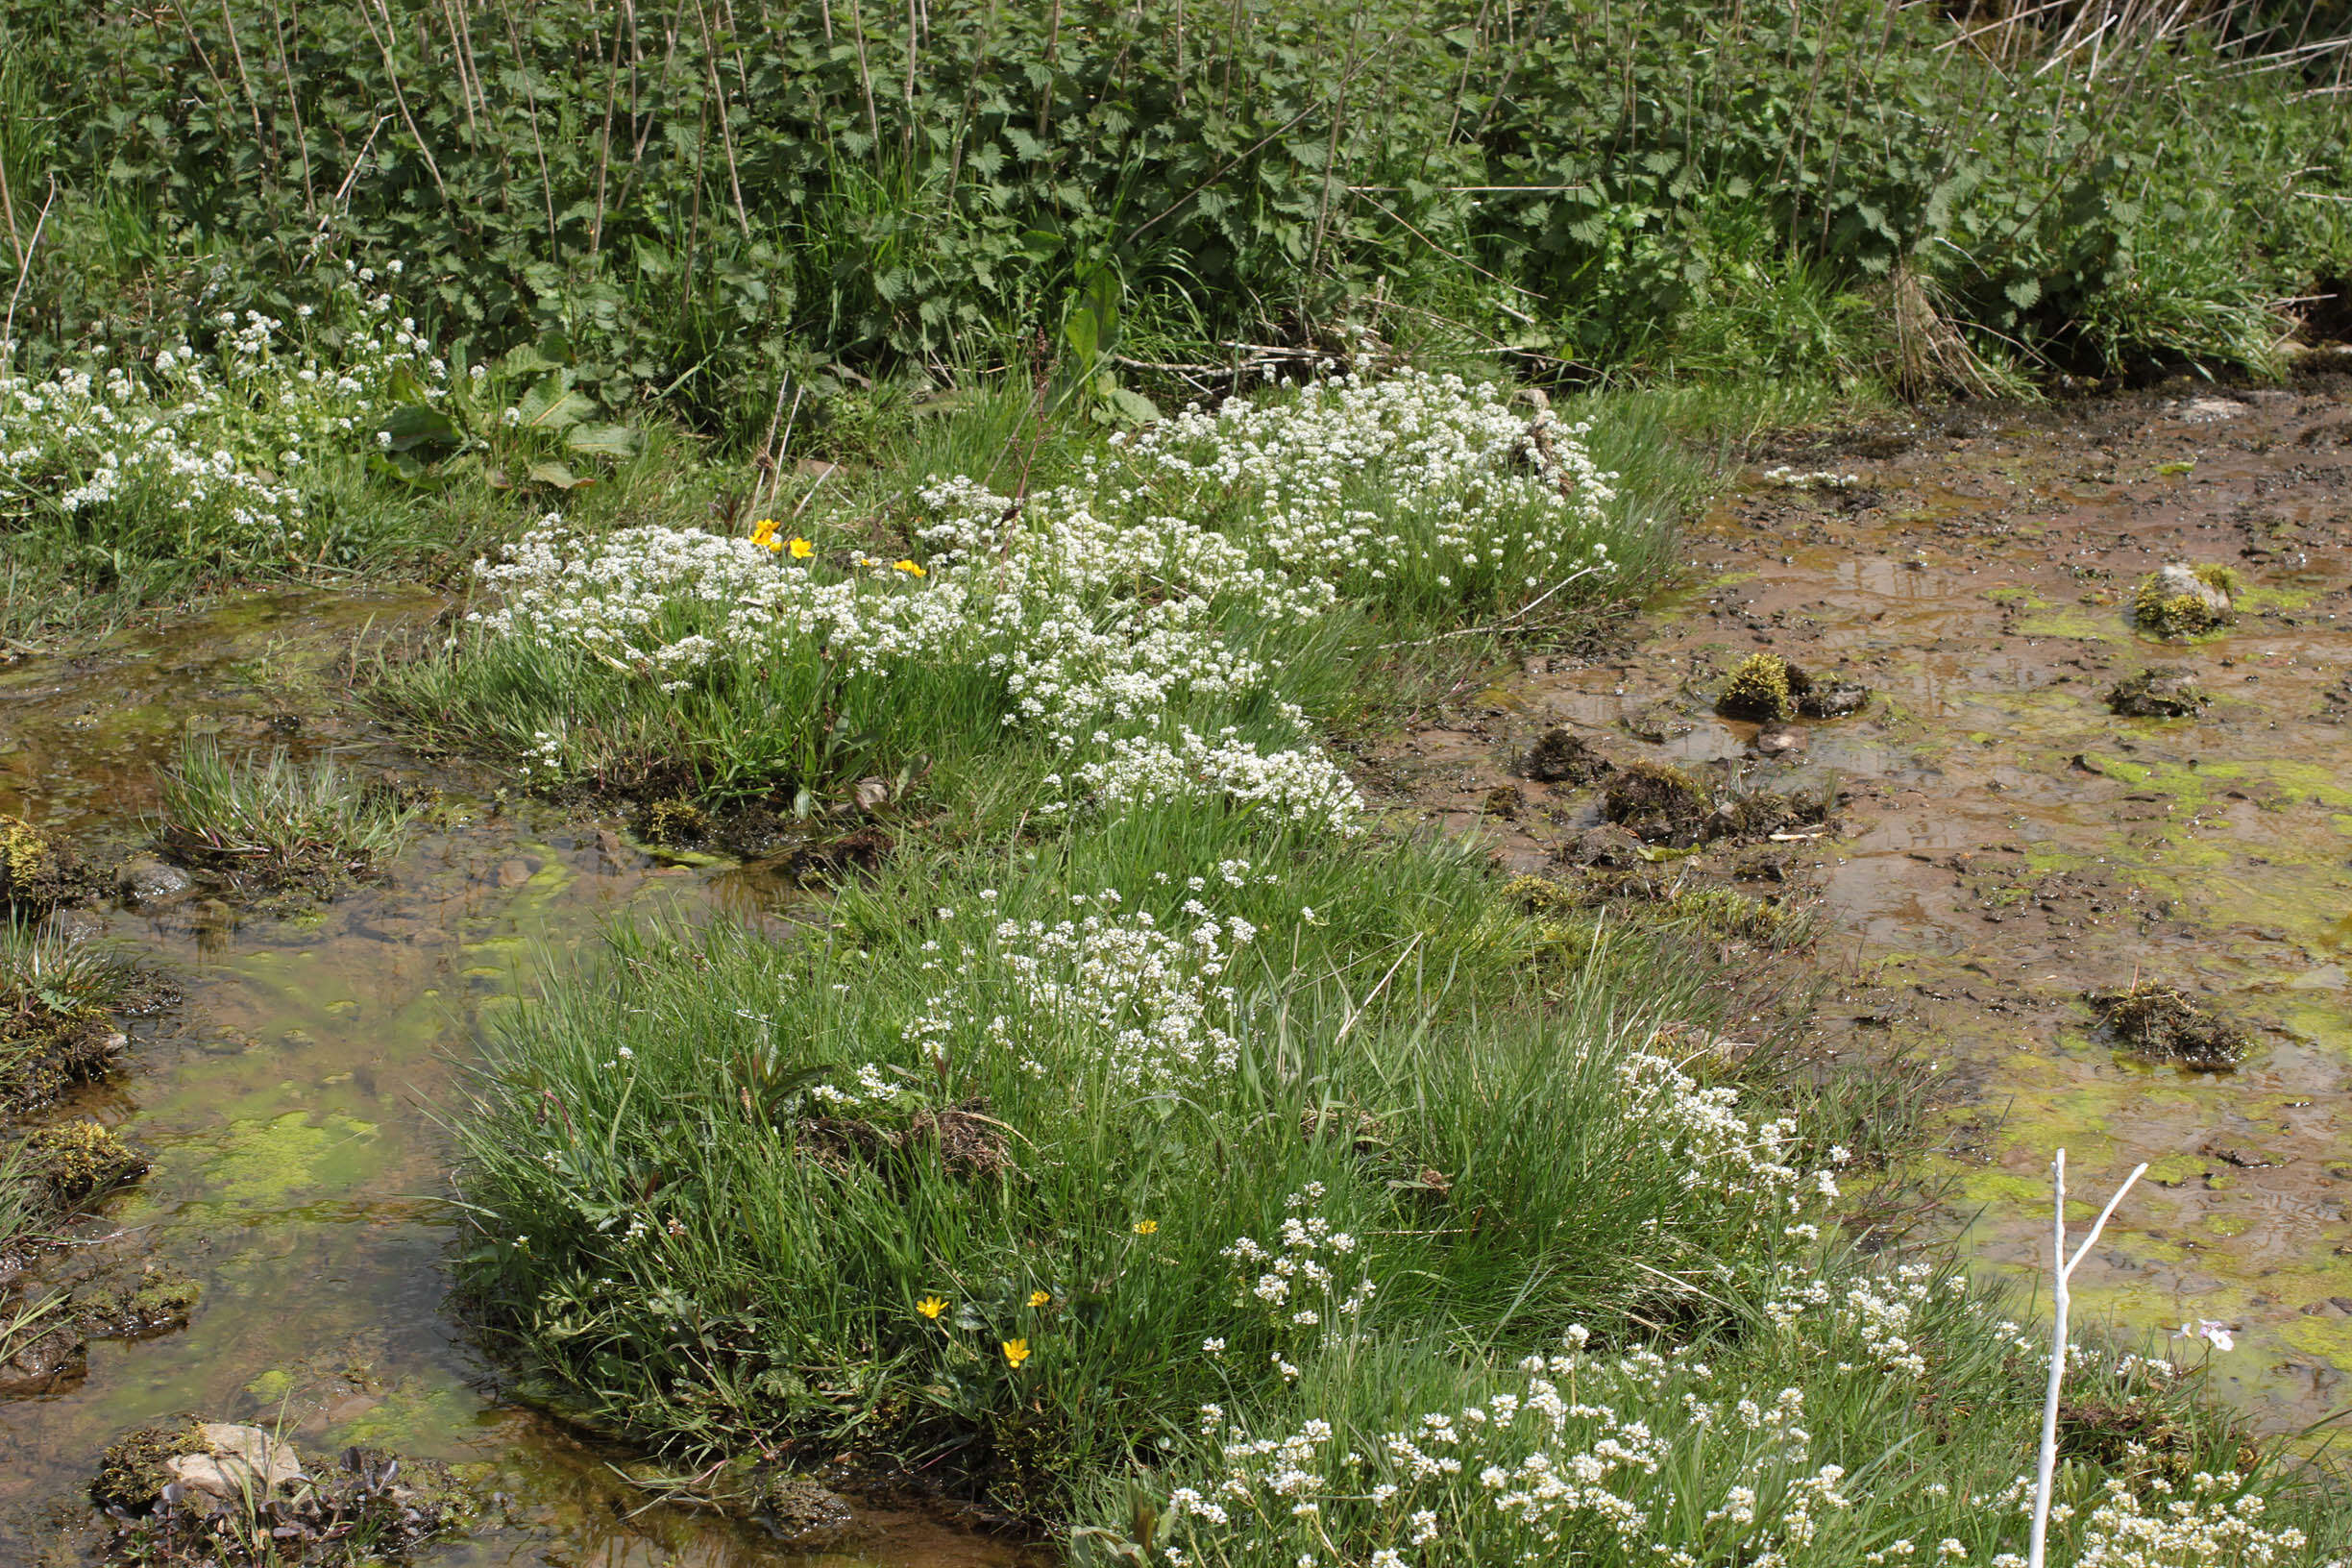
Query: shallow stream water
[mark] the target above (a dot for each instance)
(289, 1104)
(2011, 843)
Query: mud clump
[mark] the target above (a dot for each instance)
(1658, 803)
(1560, 758)
(2183, 601)
(2164, 692)
(1663, 805)
(803, 1513)
(677, 823)
(2159, 1021)
(1768, 689)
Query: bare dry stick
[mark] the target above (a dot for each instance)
(727, 132)
(285, 71)
(2062, 1271)
(24, 266)
(383, 47)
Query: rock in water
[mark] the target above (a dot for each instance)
(1779, 740)
(236, 1461)
(152, 883)
(2165, 692)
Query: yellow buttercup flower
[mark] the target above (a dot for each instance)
(763, 534)
(1039, 1298)
(1146, 1227)
(931, 1306)
(1016, 1352)
(802, 549)
(909, 568)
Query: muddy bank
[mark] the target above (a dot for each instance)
(284, 1103)
(2010, 845)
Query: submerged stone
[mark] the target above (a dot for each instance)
(1659, 723)
(2164, 692)
(150, 883)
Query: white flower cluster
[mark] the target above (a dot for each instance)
(1299, 785)
(218, 443)
(1297, 1286)
(2208, 1529)
(1148, 1007)
(1722, 1151)
(1360, 482)
(1873, 1321)
(1546, 1470)
(1096, 603)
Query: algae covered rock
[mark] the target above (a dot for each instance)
(2159, 1021)
(2184, 600)
(2164, 692)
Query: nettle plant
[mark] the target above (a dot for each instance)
(223, 454)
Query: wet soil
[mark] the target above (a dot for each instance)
(2008, 844)
(287, 1105)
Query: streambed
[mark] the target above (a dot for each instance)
(286, 1104)
(2011, 843)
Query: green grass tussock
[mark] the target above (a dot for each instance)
(277, 824)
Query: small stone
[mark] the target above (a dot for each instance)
(1608, 845)
(1659, 723)
(238, 1461)
(513, 873)
(871, 792)
(2164, 692)
(152, 883)
(1833, 698)
(1779, 740)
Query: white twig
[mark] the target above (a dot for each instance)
(2062, 1271)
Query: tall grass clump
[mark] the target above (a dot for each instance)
(57, 994)
(278, 823)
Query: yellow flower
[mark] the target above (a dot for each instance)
(802, 549)
(763, 534)
(1017, 1351)
(909, 568)
(1039, 1298)
(1146, 1227)
(931, 1306)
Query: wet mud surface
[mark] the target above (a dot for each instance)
(288, 1106)
(2008, 844)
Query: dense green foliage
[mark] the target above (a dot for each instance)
(689, 201)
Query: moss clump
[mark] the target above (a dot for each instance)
(2183, 601)
(157, 1301)
(37, 872)
(677, 822)
(1764, 687)
(81, 1161)
(131, 1475)
(2159, 1021)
